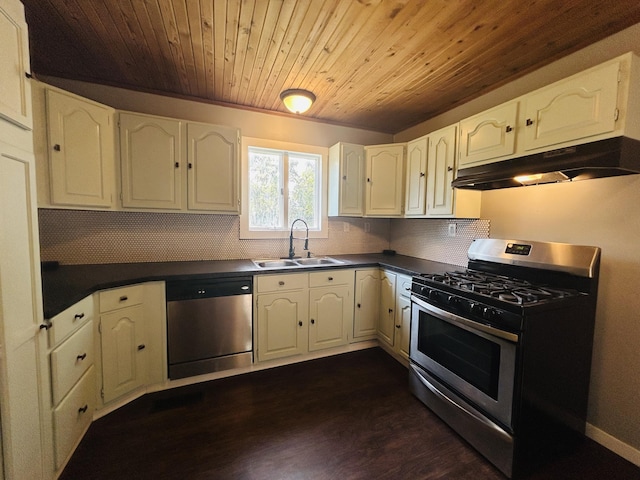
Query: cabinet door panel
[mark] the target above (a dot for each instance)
(442, 151)
(384, 186)
(70, 360)
(213, 168)
(151, 156)
(279, 331)
(416, 178)
(80, 151)
(123, 351)
(330, 315)
(386, 323)
(367, 303)
(403, 326)
(352, 178)
(574, 109)
(15, 90)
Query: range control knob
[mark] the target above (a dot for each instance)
(453, 300)
(426, 291)
(489, 313)
(476, 309)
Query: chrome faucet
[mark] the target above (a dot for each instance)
(292, 251)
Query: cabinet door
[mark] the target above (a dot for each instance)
(213, 153)
(579, 107)
(80, 151)
(330, 316)
(151, 158)
(488, 136)
(386, 323)
(20, 336)
(123, 351)
(403, 326)
(385, 180)
(441, 169)
(15, 90)
(367, 303)
(282, 324)
(416, 178)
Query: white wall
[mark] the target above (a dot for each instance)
(602, 212)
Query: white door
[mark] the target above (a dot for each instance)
(20, 316)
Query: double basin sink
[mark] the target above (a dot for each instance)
(297, 262)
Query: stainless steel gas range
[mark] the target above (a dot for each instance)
(501, 351)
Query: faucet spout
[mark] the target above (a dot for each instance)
(292, 251)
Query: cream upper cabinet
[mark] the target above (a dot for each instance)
(441, 169)
(416, 177)
(346, 180)
(151, 154)
(384, 180)
(213, 177)
(367, 304)
(80, 149)
(488, 135)
(581, 106)
(15, 93)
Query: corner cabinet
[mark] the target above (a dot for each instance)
(169, 164)
(384, 187)
(346, 180)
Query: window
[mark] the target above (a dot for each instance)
(281, 185)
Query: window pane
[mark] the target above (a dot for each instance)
(265, 186)
(304, 186)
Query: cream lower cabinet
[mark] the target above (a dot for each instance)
(299, 313)
(387, 312)
(402, 316)
(132, 331)
(367, 300)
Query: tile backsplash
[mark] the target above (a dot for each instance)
(90, 237)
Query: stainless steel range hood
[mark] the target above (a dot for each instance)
(604, 158)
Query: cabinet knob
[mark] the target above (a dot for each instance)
(124, 298)
(358, 305)
(344, 177)
(391, 310)
(313, 321)
(177, 164)
(281, 283)
(509, 129)
(82, 357)
(190, 165)
(529, 122)
(141, 347)
(398, 326)
(330, 279)
(449, 169)
(422, 174)
(45, 326)
(369, 180)
(57, 147)
(28, 75)
(300, 323)
(78, 316)
(83, 409)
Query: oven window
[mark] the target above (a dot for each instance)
(471, 357)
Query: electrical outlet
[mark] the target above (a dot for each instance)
(452, 229)
(367, 227)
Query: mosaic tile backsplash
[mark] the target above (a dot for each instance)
(90, 237)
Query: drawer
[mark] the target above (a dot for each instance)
(276, 283)
(404, 285)
(70, 360)
(325, 278)
(121, 297)
(72, 417)
(69, 320)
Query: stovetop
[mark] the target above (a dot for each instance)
(497, 288)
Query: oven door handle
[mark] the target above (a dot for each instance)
(456, 319)
(446, 399)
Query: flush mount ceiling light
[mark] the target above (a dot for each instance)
(297, 100)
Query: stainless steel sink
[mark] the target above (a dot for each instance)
(298, 262)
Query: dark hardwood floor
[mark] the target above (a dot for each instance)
(350, 416)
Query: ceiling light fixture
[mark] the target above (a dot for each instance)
(297, 100)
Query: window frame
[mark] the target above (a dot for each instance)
(323, 152)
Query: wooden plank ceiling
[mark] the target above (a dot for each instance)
(377, 64)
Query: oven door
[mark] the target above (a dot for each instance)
(475, 360)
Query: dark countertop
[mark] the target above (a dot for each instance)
(68, 284)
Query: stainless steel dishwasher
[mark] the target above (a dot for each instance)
(209, 325)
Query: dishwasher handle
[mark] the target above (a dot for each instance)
(208, 288)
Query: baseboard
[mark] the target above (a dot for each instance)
(612, 443)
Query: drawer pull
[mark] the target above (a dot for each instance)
(313, 322)
(83, 409)
(78, 316)
(141, 347)
(330, 279)
(45, 326)
(300, 324)
(124, 298)
(398, 326)
(56, 147)
(281, 283)
(82, 357)
(358, 305)
(391, 310)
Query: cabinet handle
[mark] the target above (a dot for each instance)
(177, 164)
(358, 305)
(509, 129)
(313, 321)
(141, 347)
(124, 298)
(421, 174)
(529, 122)
(391, 310)
(344, 177)
(78, 316)
(330, 279)
(408, 289)
(82, 357)
(281, 283)
(83, 409)
(449, 169)
(45, 326)
(398, 326)
(300, 323)
(190, 165)
(28, 75)
(57, 147)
